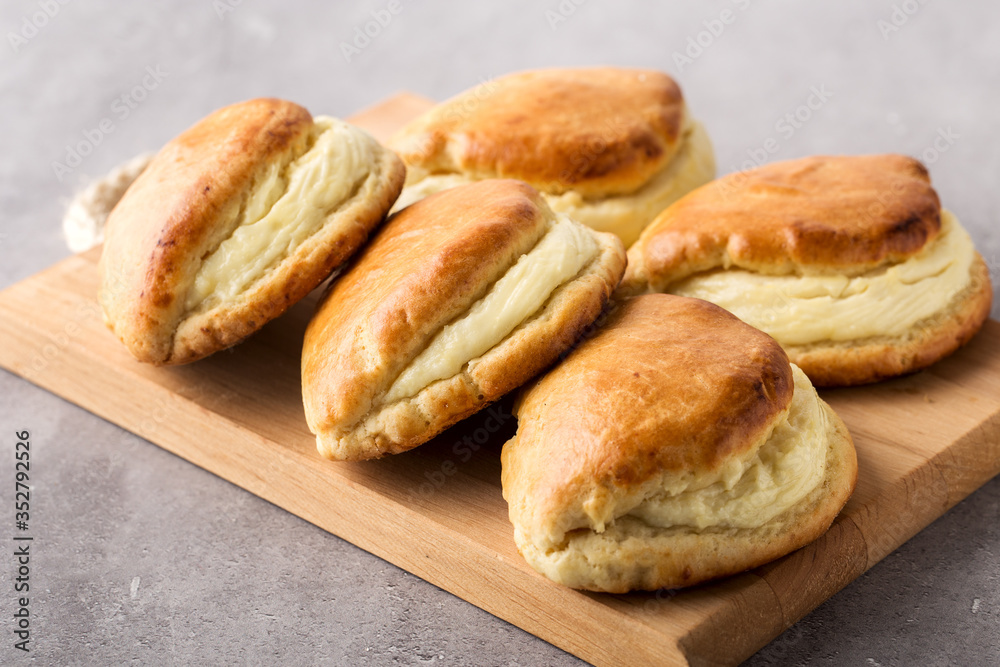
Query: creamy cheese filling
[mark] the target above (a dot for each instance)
(627, 215)
(558, 257)
(289, 204)
(624, 215)
(799, 310)
(748, 494)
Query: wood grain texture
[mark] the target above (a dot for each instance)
(924, 443)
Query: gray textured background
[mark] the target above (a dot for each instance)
(144, 558)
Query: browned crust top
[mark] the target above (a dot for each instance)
(669, 384)
(158, 233)
(599, 131)
(426, 266)
(847, 214)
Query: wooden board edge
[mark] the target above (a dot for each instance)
(927, 493)
(839, 556)
(601, 635)
(961, 465)
(941, 486)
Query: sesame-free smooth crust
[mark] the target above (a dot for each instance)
(818, 216)
(845, 214)
(427, 267)
(671, 391)
(598, 131)
(188, 201)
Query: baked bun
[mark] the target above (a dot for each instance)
(233, 221)
(461, 298)
(849, 262)
(675, 446)
(609, 147)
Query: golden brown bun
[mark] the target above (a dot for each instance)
(597, 131)
(817, 216)
(847, 214)
(185, 204)
(427, 267)
(669, 389)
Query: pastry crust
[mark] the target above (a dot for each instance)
(822, 214)
(609, 147)
(670, 392)
(188, 202)
(817, 216)
(631, 555)
(425, 269)
(600, 131)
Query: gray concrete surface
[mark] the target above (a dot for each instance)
(143, 558)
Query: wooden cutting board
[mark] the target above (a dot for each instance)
(924, 443)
